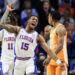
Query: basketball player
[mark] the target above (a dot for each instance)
(26, 42)
(58, 42)
(8, 40)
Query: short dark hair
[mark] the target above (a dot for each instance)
(55, 15)
(31, 16)
(13, 18)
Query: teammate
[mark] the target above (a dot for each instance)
(26, 42)
(8, 40)
(58, 40)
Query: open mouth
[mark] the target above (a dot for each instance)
(33, 24)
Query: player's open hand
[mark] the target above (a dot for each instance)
(9, 7)
(62, 66)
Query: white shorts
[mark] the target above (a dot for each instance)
(7, 66)
(25, 66)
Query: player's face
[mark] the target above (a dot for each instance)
(46, 32)
(32, 22)
(50, 19)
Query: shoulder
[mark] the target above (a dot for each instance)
(21, 29)
(61, 30)
(36, 32)
(2, 30)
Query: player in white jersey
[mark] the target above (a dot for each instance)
(26, 42)
(7, 55)
(8, 40)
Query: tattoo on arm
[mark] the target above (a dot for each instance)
(46, 48)
(10, 28)
(60, 33)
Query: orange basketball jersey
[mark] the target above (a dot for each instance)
(62, 55)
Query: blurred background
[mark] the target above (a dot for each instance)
(40, 8)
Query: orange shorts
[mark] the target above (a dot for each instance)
(55, 70)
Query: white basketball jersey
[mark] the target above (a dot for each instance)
(8, 40)
(26, 43)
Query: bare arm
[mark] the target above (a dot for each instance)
(60, 33)
(10, 28)
(46, 48)
(4, 17)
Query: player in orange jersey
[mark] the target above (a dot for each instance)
(58, 43)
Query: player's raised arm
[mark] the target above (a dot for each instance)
(46, 48)
(5, 15)
(10, 28)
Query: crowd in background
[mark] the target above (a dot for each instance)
(41, 8)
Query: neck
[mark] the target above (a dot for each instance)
(55, 23)
(28, 29)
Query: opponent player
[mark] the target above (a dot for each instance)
(8, 40)
(26, 42)
(58, 43)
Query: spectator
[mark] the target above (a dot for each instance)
(47, 30)
(16, 5)
(54, 4)
(1, 7)
(60, 3)
(43, 10)
(66, 17)
(65, 6)
(27, 11)
(71, 45)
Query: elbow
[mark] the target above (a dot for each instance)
(61, 46)
(1, 24)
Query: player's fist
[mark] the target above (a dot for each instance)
(9, 7)
(62, 66)
(46, 61)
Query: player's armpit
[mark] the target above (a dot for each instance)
(10, 28)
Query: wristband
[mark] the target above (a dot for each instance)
(58, 62)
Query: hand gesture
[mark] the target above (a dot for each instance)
(9, 7)
(46, 61)
(62, 66)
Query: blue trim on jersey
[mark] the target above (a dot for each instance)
(1, 68)
(20, 58)
(14, 66)
(35, 69)
(14, 57)
(14, 48)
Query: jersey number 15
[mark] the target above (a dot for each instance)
(24, 46)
